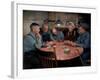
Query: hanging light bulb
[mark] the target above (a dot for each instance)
(59, 23)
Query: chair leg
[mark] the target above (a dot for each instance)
(56, 63)
(81, 61)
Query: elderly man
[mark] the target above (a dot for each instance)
(56, 35)
(31, 42)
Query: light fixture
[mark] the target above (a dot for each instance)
(59, 23)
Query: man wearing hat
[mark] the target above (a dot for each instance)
(31, 42)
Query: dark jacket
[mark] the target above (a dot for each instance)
(84, 41)
(46, 36)
(72, 36)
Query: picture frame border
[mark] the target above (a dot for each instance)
(16, 58)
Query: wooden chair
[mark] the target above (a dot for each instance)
(48, 59)
(88, 61)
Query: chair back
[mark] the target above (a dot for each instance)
(48, 59)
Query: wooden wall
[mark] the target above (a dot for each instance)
(40, 16)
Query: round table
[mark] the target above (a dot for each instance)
(59, 47)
